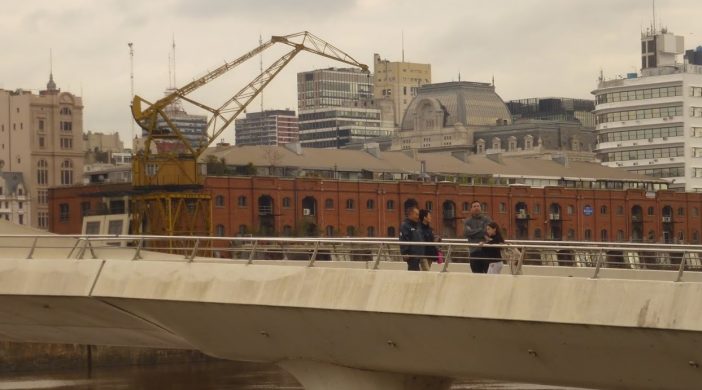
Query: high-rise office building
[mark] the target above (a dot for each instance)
(651, 123)
(192, 127)
(554, 109)
(398, 82)
(336, 107)
(41, 138)
(270, 127)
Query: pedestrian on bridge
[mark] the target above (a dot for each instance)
(487, 253)
(431, 252)
(410, 232)
(474, 229)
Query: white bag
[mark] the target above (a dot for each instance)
(495, 268)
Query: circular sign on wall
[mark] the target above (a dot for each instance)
(587, 210)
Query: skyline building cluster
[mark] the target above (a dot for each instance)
(651, 123)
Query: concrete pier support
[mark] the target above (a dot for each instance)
(322, 376)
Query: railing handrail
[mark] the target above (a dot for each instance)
(636, 256)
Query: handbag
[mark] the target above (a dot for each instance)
(439, 257)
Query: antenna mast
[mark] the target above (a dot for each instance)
(175, 85)
(131, 79)
(654, 17)
(403, 45)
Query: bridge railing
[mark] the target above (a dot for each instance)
(376, 253)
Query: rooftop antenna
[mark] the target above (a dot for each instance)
(403, 45)
(131, 78)
(654, 17)
(459, 75)
(174, 61)
(493, 79)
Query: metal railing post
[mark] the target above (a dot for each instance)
(598, 265)
(447, 259)
(683, 262)
(376, 263)
(137, 252)
(194, 251)
(313, 258)
(34, 245)
(253, 250)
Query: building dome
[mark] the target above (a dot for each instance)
(446, 104)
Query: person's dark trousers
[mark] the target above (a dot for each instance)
(413, 264)
(478, 265)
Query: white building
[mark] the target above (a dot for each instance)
(15, 205)
(651, 123)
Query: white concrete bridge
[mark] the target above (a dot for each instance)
(585, 315)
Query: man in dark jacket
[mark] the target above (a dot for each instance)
(474, 228)
(410, 232)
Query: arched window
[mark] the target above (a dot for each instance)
(349, 204)
(620, 235)
(391, 231)
(371, 231)
(390, 205)
(329, 203)
(588, 234)
(370, 205)
(681, 211)
(512, 143)
(329, 231)
(350, 231)
(651, 211)
(219, 201)
(603, 210)
(42, 173)
(528, 142)
(287, 230)
(466, 206)
(604, 235)
(537, 233)
(243, 230)
(571, 235)
(67, 172)
(219, 230)
(286, 202)
(429, 205)
(480, 146)
(241, 201)
(496, 143)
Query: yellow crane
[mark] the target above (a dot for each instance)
(168, 180)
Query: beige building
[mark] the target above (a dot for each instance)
(103, 142)
(41, 137)
(398, 83)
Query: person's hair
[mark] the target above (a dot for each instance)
(474, 202)
(409, 209)
(498, 232)
(423, 214)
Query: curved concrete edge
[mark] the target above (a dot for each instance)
(321, 376)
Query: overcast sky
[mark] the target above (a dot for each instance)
(534, 48)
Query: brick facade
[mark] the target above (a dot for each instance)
(271, 205)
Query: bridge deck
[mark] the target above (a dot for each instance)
(556, 315)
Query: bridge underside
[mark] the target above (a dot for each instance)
(369, 329)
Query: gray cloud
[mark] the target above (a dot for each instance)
(533, 48)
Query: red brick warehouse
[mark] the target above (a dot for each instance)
(313, 206)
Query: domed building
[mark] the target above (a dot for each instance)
(445, 116)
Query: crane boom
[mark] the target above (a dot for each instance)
(178, 166)
(168, 196)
